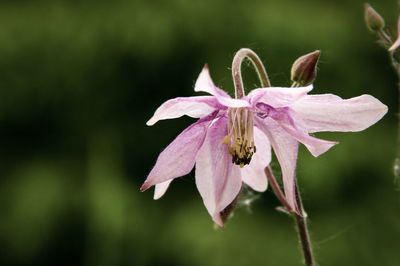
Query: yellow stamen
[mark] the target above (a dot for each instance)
(240, 139)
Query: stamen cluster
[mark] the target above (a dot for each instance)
(240, 138)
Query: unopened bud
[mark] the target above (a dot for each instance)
(304, 69)
(373, 20)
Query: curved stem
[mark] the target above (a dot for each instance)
(237, 73)
(239, 93)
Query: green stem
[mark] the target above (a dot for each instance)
(237, 72)
(301, 222)
(239, 93)
(396, 66)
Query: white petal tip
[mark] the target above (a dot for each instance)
(385, 109)
(151, 122)
(218, 220)
(262, 188)
(393, 47)
(204, 79)
(156, 197)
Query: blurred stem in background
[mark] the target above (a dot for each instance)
(376, 24)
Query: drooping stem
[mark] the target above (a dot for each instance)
(237, 73)
(239, 93)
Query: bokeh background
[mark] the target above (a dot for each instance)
(78, 81)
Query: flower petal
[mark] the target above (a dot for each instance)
(254, 173)
(205, 83)
(161, 188)
(290, 122)
(294, 128)
(196, 107)
(286, 149)
(217, 178)
(328, 112)
(178, 158)
(277, 96)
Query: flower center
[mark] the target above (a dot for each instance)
(240, 138)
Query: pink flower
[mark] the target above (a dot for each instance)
(231, 142)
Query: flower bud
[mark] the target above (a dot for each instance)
(304, 69)
(373, 20)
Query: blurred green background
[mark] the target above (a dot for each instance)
(78, 81)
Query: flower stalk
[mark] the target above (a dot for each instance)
(301, 222)
(376, 24)
(221, 144)
(237, 70)
(306, 66)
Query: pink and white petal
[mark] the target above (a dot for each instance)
(286, 149)
(196, 107)
(277, 96)
(314, 145)
(178, 158)
(205, 83)
(217, 178)
(161, 188)
(233, 103)
(254, 173)
(328, 112)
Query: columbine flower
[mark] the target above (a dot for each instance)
(231, 142)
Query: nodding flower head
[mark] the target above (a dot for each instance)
(240, 138)
(221, 143)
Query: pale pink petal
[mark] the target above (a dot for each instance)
(277, 96)
(161, 188)
(217, 178)
(196, 107)
(290, 122)
(395, 45)
(254, 173)
(328, 112)
(205, 83)
(294, 128)
(178, 158)
(286, 149)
